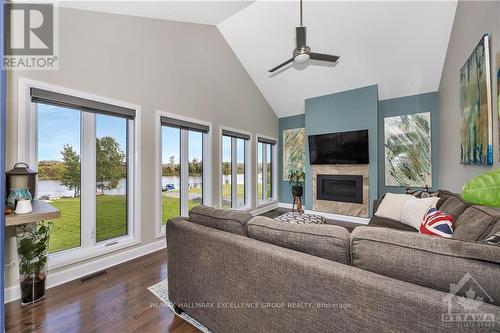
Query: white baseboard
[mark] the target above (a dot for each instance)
(264, 209)
(69, 274)
(346, 218)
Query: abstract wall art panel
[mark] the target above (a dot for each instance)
(498, 100)
(476, 126)
(408, 153)
(293, 150)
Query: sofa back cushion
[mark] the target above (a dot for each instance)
(474, 224)
(226, 220)
(321, 240)
(426, 260)
(452, 204)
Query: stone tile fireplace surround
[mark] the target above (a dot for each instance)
(338, 207)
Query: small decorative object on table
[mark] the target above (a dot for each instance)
(296, 178)
(298, 218)
(23, 207)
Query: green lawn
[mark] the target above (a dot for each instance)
(111, 212)
(226, 192)
(110, 219)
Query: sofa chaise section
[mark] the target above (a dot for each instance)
(232, 283)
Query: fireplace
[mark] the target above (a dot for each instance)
(342, 188)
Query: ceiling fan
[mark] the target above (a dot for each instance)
(302, 52)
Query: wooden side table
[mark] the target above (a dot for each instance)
(32, 238)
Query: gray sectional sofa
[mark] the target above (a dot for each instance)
(237, 273)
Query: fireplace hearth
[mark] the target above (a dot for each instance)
(341, 188)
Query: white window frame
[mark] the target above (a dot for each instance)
(274, 154)
(27, 151)
(184, 152)
(248, 169)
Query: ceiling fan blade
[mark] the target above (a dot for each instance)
(301, 37)
(281, 65)
(324, 57)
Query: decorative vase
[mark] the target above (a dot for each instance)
(32, 250)
(18, 194)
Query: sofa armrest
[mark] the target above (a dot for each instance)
(425, 260)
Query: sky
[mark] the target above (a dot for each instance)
(58, 126)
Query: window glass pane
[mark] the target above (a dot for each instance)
(226, 172)
(111, 177)
(195, 168)
(269, 172)
(59, 172)
(171, 173)
(240, 167)
(260, 184)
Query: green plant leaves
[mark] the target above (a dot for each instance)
(484, 189)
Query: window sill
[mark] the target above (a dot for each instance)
(262, 204)
(76, 255)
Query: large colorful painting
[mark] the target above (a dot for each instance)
(476, 127)
(408, 153)
(293, 150)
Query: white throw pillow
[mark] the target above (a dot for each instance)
(414, 210)
(392, 204)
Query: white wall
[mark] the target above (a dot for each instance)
(182, 68)
(472, 20)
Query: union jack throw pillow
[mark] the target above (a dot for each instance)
(437, 223)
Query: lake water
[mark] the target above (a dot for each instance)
(55, 188)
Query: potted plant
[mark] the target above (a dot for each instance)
(296, 177)
(32, 248)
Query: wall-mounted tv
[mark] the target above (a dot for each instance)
(339, 148)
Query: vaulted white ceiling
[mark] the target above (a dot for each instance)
(203, 12)
(399, 45)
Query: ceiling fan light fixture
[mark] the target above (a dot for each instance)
(301, 58)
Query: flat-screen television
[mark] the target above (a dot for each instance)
(339, 148)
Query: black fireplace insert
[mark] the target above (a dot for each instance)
(343, 188)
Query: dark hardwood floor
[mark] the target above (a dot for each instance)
(116, 302)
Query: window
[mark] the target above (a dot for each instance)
(265, 169)
(234, 172)
(82, 157)
(183, 146)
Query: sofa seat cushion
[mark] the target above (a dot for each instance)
(326, 241)
(475, 223)
(383, 222)
(426, 260)
(233, 221)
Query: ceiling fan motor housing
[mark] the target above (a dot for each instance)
(301, 55)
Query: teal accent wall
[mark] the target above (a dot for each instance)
(345, 111)
(402, 106)
(353, 110)
(284, 124)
